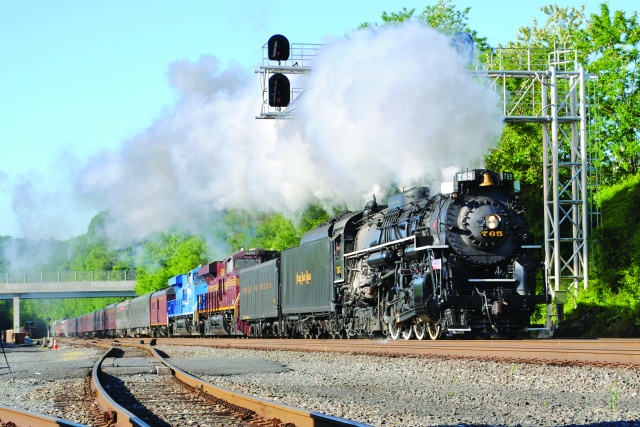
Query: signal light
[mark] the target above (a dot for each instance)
(278, 48)
(279, 90)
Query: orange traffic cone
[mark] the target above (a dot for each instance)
(55, 344)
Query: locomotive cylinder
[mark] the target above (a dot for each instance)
(380, 259)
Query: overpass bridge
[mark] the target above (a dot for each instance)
(64, 284)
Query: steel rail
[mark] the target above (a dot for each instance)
(22, 418)
(114, 414)
(265, 409)
(566, 351)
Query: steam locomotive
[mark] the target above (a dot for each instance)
(459, 263)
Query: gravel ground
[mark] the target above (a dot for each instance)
(37, 375)
(381, 391)
(419, 391)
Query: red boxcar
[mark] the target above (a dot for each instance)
(159, 316)
(110, 320)
(72, 327)
(86, 325)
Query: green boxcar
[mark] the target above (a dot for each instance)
(307, 278)
(259, 291)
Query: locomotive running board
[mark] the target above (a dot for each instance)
(493, 280)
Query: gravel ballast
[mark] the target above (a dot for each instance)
(381, 391)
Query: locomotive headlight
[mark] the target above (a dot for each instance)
(492, 221)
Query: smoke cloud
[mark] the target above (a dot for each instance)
(382, 106)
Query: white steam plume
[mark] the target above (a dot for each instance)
(383, 106)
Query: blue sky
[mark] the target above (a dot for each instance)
(78, 79)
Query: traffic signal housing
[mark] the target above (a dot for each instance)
(278, 47)
(279, 90)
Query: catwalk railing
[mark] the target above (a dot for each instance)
(68, 276)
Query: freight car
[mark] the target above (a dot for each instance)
(457, 263)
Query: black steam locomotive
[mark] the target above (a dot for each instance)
(450, 264)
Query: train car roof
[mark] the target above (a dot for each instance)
(178, 280)
(326, 230)
(211, 269)
(166, 291)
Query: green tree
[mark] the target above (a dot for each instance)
(564, 28)
(312, 217)
(442, 16)
(275, 232)
(165, 256)
(93, 250)
(235, 228)
(613, 44)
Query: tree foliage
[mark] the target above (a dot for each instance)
(168, 255)
(269, 230)
(613, 42)
(616, 242)
(442, 16)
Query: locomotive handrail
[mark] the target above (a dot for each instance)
(393, 242)
(373, 248)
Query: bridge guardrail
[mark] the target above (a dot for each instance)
(68, 276)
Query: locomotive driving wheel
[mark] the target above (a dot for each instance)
(394, 330)
(420, 330)
(434, 330)
(407, 331)
(394, 327)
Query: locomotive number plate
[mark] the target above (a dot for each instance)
(492, 233)
(466, 176)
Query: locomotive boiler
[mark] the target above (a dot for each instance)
(457, 263)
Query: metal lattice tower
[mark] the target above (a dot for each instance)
(536, 86)
(555, 98)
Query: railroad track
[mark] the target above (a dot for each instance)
(599, 352)
(160, 400)
(193, 401)
(117, 395)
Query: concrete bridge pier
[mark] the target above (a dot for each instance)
(16, 313)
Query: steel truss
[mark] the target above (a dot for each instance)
(536, 86)
(556, 99)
